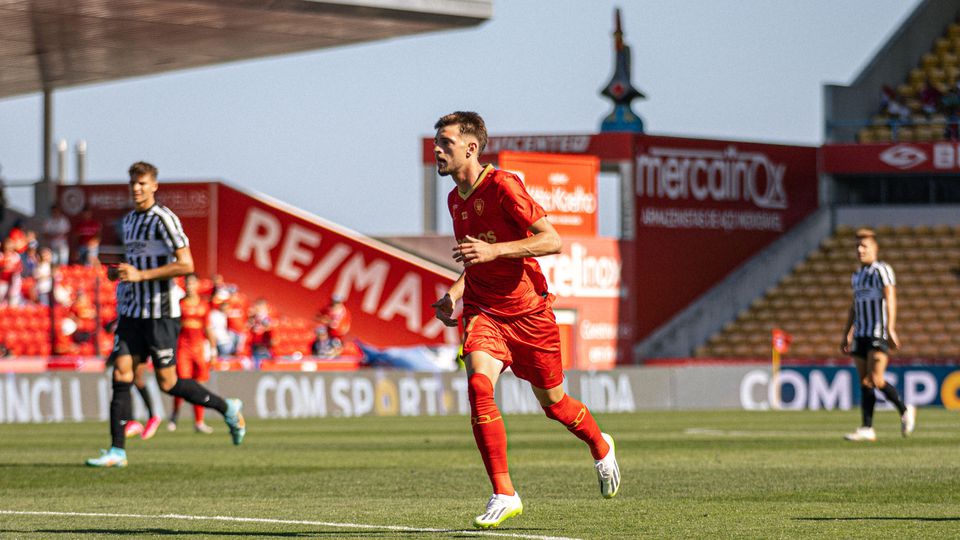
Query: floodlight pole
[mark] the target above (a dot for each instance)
(43, 193)
(47, 134)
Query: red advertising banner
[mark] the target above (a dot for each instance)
(564, 185)
(298, 262)
(587, 277)
(195, 203)
(703, 208)
(902, 158)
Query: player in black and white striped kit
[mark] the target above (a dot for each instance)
(156, 251)
(870, 333)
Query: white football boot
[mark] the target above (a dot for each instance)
(608, 472)
(862, 434)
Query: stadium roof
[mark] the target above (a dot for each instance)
(50, 44)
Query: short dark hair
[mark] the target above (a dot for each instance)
(470, 124)
(865, 233)
(141, 168)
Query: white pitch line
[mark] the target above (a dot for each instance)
(398, 528)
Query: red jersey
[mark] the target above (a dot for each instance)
(237, 315)
(193, 320)
(337, 320)
(10, 265)
(499, 209)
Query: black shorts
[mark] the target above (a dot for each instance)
(140, 338)
(863, 345)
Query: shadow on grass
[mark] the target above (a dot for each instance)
(877, 518)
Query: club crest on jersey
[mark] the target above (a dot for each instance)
(478, 206)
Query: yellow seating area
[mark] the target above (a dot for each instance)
(812, 302)
(941, 67)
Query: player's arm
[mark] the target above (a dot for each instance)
(443, 308)
(544, 241)
(890, 295)
(847, 332)
(180, 267)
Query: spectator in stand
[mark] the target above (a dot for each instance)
(30, 258)
(951, 107)
(43, 276)
(891, 104)
(84, 314)
(18, 235)
(335, 322)
(261, 331)
(321, 342)
(237, 321)
(196, 348)
(11, 269)
(219, 286)
(88, 238)
(225, 340)
(56, 230)
(930, 99)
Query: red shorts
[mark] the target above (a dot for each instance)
(192, 361)
(528, 344)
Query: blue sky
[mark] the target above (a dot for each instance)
(337, 131)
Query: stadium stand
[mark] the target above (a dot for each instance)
(925, 106)
(25, 329)
(811, 303)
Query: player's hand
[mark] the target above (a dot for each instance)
(894, 340)
(128, 272)
(443, 310)
(474, 251)
(845, 345)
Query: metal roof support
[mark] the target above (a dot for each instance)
(47, 134)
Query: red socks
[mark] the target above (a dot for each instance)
(198, 413)
(490, 433)
(580, 422)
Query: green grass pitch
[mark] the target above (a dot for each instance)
(685, 475)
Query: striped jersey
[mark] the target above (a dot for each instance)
(150, 240)
(870, 311)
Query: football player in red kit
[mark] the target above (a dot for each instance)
(195, 348)
(507, 316)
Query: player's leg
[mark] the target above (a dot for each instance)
(490, 433)
(576, 417)
(184, 371)
(163, 347)
(128, 350)
(133, 427)
(140, 382)
(121, 411)
(877, 361)
(200, 373)
(868, 398)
